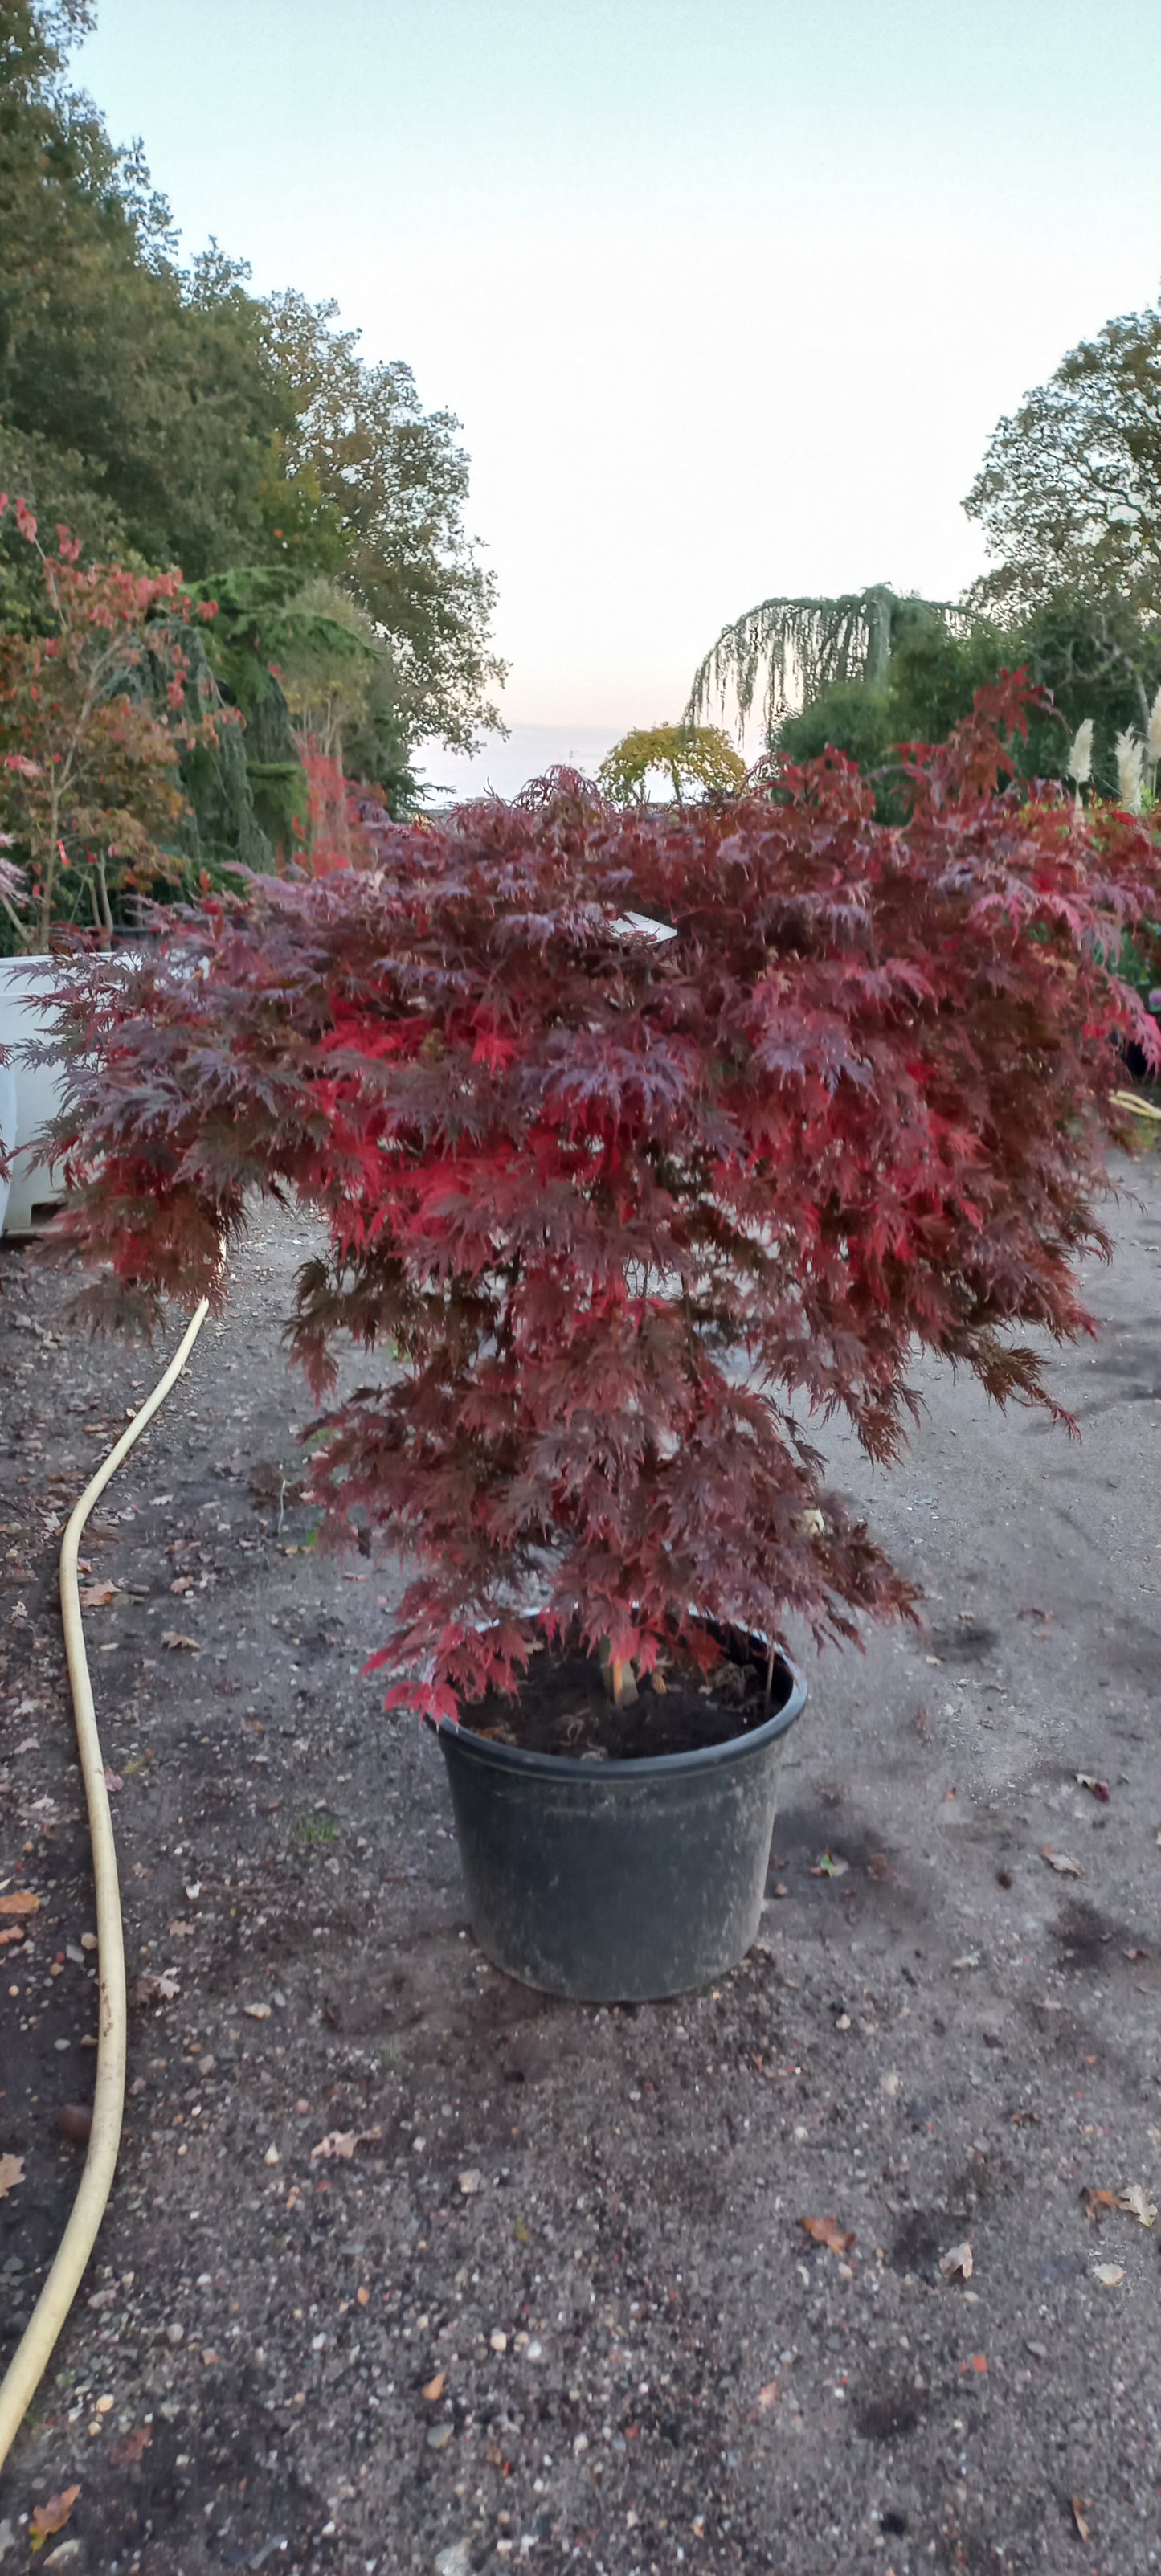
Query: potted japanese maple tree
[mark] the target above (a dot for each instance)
(640, 1140)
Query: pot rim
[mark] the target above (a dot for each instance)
(624, 1771)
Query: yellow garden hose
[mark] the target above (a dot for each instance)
(25, 2370)
(1140, 1108)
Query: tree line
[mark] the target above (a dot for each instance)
(1069, 501)
(170, 418)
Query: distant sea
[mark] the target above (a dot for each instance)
(503, 767)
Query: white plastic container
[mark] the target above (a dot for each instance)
(34, 1093)
(7, 1128)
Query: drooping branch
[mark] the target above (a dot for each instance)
(790, 650)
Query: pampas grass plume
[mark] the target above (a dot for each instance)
(1130, 766)
(1153, 733)
(1080, 756)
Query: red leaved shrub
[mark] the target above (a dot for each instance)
(342, 821)
(625, 1211)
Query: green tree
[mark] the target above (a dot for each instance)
(786, 652)
(927, 687)
(1097, 658)
(697, 757)
(170, 417)
(1069, 493)
(251, 629)
(151, 384)
(343, 692)
(398, 481)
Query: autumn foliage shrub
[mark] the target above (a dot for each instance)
(336, 834)
(620, 1213)
(91, 802)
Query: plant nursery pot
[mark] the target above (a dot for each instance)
(618, 1881)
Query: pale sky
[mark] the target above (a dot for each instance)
(726, 296)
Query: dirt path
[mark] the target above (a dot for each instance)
(557, 2305)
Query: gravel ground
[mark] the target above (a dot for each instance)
(548, 2298)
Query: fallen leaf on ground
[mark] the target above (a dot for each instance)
(75, 2122)
(879, 1867)
(1080, 2506)
(891, 2085)
(829, 1865)
(343, 2142)
(113, 1781)
(126, 2453)
(522, 2234)
(180, 1931)
(826, 2231)
(184, 1583)
(958, 2263)
(257, 2012)
(1098, 1788)
(364, 2298)
(1095, 2201)
(1060, 1860)
(11, 2172)
(155, 1990)
(1032, 1611)
(15, 1932)
(51, 2516)
(768, 2395)
(97, 1596)
(1136, 1954)
(1110, 2275)
(1136, 2200)
(21, 1901)
(470, 2182)
(178, 1644)
(435, 2387)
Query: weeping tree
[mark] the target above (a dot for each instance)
(785, 652)
(692, 757)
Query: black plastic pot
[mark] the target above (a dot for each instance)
(618, 1882)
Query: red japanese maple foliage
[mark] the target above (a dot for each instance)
(337, 835)
(623, 1211)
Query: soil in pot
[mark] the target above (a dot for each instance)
(563, 1707)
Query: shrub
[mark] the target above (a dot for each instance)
(626, 1209)
(89, 787)
(700, 758)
